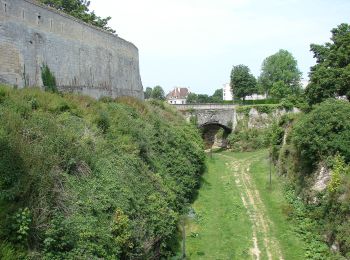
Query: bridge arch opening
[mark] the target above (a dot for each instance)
(215, 135)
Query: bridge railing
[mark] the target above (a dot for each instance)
(205, 106)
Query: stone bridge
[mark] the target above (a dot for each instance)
(213, 117)
(205, 115)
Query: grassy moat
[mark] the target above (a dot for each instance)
(238, 214)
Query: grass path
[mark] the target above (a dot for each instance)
(238, 215)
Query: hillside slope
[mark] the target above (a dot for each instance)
(312, 150)
(87, 179)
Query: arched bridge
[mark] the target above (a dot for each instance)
(210, 114)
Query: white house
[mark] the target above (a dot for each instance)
(177, 96)
(227, 92)
(256, 97)
(228, 95)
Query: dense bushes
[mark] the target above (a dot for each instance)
(49, 80)
(86, 179)
(323, 132)
(316, 149)
(256, 126)
(249, 139)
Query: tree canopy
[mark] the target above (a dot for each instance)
(204, 98)
(243, 83)
(80, 10)
(330, 77)
(158, 93)
(323, 132)
(148, 92)
(217, 97)
(280, 76)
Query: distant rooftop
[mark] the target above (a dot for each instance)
(178, 92)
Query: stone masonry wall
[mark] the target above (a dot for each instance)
(83, 58)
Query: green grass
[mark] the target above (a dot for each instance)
(221, 228)
(275, 203)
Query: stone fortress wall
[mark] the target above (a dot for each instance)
(82, 57)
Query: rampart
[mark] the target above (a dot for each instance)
(83, 58)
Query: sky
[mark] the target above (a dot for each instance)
(195, 43)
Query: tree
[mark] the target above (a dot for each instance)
(203, 98)
(243, 83)
(148, 93)
(280, 76)
(324, 132)
(330, 77)
(217, 96)
(158, 93)
(80, 10)
(192, 98)
(279, 90)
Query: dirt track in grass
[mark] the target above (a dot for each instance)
(251, 199)
(238, 214)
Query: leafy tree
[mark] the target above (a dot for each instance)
(280, 76)
(80, 10)
(192, 98)
(217, 96)
(324, 132)
(330, 77)
(279, 90)
(203, 98)
(158, 93)
(148, 93)
(243, 83)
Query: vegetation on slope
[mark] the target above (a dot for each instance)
(254, 131)
(316, 149)
(87, 179)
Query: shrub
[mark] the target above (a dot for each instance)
(324, 132)
(287, 104)
(103, 122)
(98, 184)
(261, 108)
(48, 79)
(3, 94)
(8, 252)
(321, 136)
(249, 139)
(22, 221)
(339, 168)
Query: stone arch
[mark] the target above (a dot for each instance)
(215, 134)
(225, 127)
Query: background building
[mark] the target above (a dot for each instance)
(227, 92)
(177, 96)
(256, 97)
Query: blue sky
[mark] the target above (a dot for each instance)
(195, 43)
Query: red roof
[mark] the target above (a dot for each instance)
(180, 93)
